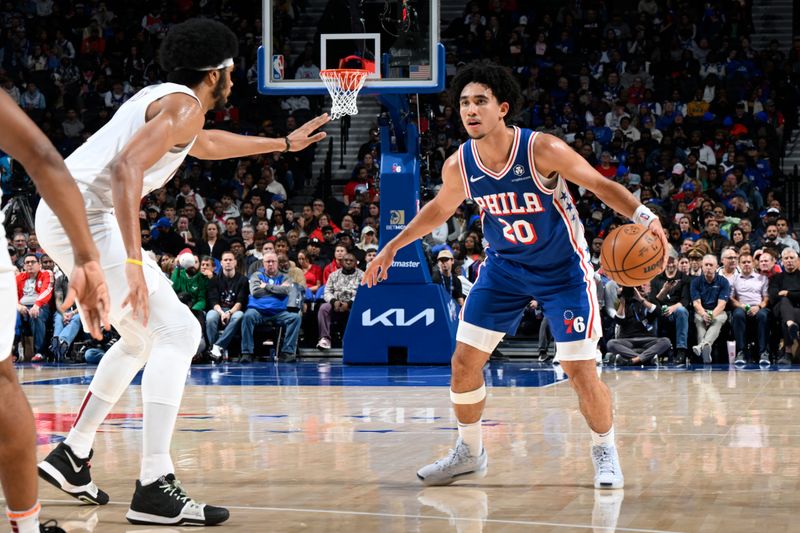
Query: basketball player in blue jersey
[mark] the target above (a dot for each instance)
(536, 249)
(137, 152)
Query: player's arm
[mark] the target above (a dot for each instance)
(555, 156)
(20, 137)
(219, 144)
(172, 121)
(434, 214)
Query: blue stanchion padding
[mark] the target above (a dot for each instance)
(407, 312)
(419, 318)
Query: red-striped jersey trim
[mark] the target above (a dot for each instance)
(463, 171)
(586, 274)
(535, 173)
(511, 158)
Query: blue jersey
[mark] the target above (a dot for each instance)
(536, 250)
(524, 218)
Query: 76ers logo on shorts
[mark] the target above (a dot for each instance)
(573, 323)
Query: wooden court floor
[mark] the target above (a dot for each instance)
(322, 447)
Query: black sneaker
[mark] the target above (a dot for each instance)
(245, 358)
(786, 360)
(741, 360)
(68, 472)
(164, 502)
(763, 359)
(287, 358)
(51, 526)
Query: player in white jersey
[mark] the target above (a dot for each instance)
(23, 141)
(137, 152)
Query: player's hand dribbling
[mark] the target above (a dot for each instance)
(377, 269)
(87, 284)
(658, 229)
(301, 137)
(138, 297)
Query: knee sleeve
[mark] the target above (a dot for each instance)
(174, 344)
(468, 398)
(121, 363)
(181, 332)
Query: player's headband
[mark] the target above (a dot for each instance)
(225, 64)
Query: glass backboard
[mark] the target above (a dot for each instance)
(397, 41)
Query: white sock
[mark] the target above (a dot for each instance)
(471, 435)
(24, 521)
(159, 423)
(90, 416)
(606, 438)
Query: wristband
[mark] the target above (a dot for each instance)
(134, 261)
(288, 145)
(643, 216)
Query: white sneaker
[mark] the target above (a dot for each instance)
(605, 514)
(607, 472)
(697, 349)
(216, 353)
(458, 464)
(324, 344)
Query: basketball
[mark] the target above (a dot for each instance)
(632, 255)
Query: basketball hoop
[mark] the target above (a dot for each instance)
(343, 86)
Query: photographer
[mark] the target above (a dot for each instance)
(636, 342)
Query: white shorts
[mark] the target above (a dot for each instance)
(108, 239)
(8, 302)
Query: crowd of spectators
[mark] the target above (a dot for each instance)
(668, 98)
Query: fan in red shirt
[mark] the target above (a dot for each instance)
(338, 254)
(361, 180)
(34, 291)
(324, 221)
(605, 166)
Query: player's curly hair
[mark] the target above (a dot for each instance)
(195, 44)
(496, 77)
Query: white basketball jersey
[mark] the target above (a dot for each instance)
(89, 164)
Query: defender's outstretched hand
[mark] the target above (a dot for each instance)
(87, 284)
(378, 268)
(302, 136)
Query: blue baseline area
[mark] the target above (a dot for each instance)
(323, 374)
(336, 374)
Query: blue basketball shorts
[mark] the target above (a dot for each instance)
(504, 288)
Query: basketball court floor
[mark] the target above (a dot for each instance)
(320, 446)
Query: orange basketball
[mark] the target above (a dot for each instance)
(632, 255)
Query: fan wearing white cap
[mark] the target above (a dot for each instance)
(444, 273)
(135, 153)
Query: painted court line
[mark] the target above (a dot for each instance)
(413, 516)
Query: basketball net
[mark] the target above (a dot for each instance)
(343, 86)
